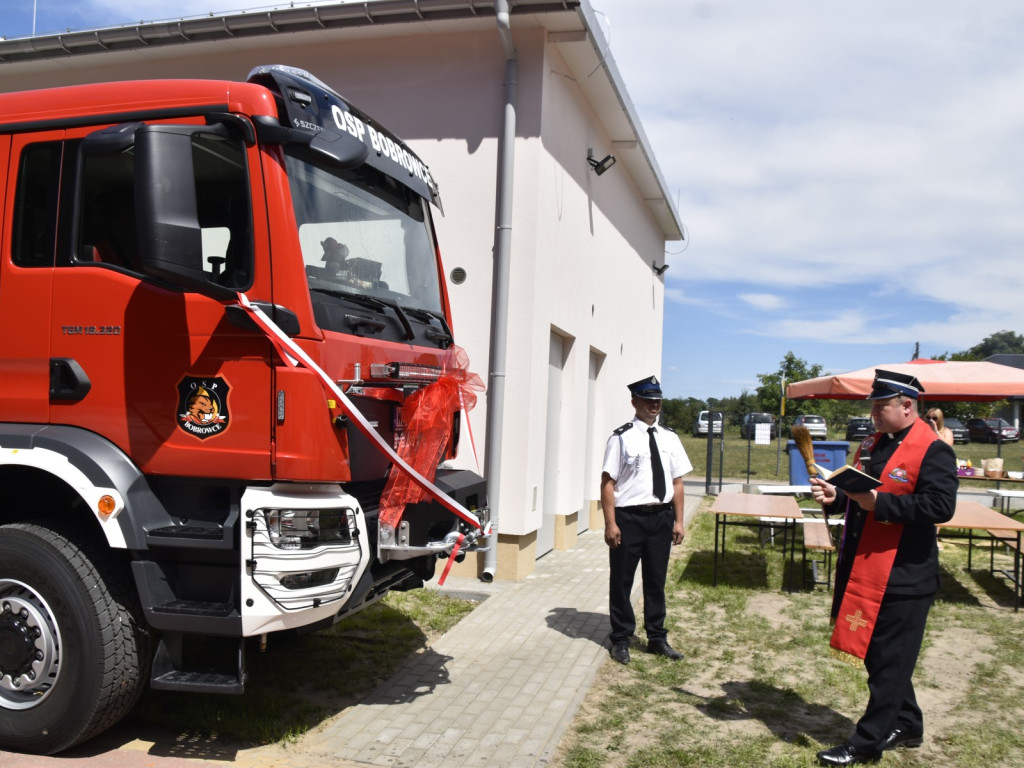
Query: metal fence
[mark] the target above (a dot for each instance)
(728, 458)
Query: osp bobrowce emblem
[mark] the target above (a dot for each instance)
(203, 406)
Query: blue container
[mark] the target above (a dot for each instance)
(830, 454)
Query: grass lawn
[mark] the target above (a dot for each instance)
(759, 688)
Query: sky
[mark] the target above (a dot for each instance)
(850, 175)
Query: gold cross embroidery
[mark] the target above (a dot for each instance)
(856, 620)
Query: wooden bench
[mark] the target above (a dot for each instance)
(817, 538)
(1010, 542)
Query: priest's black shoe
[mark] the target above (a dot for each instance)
(902, 738)
(847, 754)
(620, 652)
(662, 648)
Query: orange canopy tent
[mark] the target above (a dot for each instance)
(942, 380)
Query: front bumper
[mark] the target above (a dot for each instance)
(430, 529)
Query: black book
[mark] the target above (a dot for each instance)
(852, 480)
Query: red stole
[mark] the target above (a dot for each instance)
(858, 611)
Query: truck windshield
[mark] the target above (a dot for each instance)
(366, 240)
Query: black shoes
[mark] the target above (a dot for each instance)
(620, 652)
(901, 738)
(662, 648)
(847, 754)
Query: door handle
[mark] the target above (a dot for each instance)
(68, 380)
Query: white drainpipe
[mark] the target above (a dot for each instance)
(502, 268)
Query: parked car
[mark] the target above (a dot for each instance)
(815, 425)
(748, 427)
(992, 430)
(700, 424)
(960, 433)
(859, 427)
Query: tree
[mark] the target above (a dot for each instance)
(679, 414)
(999, 343)
(747, 402)
(733, 408)
(791, 368)
(835, 412)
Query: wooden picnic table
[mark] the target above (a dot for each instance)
(784, 490)
(972, 516)
(756, 511)
(1003, 496)
(1001, 478)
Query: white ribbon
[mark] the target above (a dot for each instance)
(293, 355)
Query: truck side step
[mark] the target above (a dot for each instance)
(198, 682)
(195, 608)
(172, 600)
(199, 664)
(190, 537)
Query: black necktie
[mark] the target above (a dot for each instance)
(656, 468)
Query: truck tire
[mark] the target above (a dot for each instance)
(73, 653)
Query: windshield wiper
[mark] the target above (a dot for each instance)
(355, 322)
(379, 303)
(402, 313)
(359, 298)
(442, 334)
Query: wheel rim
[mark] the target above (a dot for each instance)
(29, 647)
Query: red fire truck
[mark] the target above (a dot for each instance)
(224, 338)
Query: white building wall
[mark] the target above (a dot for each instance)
(594, 274)
(582, 245)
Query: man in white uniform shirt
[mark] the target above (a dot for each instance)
(642, 501)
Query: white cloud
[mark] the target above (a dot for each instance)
(861, 161)
(689, 297)
(809, 137)
(767, 301)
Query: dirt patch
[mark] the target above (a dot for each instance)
(946, 670)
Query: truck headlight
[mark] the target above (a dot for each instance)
(309, 528)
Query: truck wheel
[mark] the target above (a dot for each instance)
(70, 640)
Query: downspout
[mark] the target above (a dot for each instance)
(502, 269)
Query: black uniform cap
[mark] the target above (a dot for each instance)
(890, 383)
(648, 388)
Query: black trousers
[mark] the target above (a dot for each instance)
(890, 661)
(646, 540)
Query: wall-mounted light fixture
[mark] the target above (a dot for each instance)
(659, 271)
(600, 166)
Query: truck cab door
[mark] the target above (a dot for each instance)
(36, 165)
(156, 368)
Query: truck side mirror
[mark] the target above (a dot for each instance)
(170, 236)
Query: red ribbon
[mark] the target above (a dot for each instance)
(428, 416)
(451, 559)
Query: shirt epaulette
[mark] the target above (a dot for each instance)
(623, 428)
